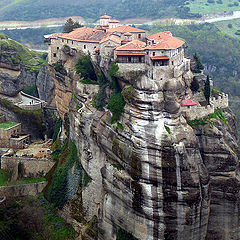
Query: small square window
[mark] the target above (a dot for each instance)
(57, 48)
(54, 55)
(84, 46)
(153, 53)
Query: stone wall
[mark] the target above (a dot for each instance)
(22, 190)
(197, 112)
(5, 134)
(220, 102)
(33, 167)
(56, 45)
(35, 106)
(128, 67)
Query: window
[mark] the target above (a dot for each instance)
(67, 41)
(84, 46)
(153, 53)
(54, 55)
(139, 35)
(140, 59)
(62, 40)
(72, 42)
(57, 48)
(129, 59)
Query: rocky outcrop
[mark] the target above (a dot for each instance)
(155, 177)
(45, 85)
(21, 68)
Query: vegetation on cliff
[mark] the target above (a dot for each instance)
(16, 53)
(67, 158)
(32, 218)
(85, 68)
(208, 120)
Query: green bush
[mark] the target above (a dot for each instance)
(116, 106)
(58, 191)
(85, 68)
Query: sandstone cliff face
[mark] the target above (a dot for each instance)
(157, 178)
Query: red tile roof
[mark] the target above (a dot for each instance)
(85, 34)
(134, 45)
(56, 35)
(164, 40)
(124, 29)
(188, 102)
(113, 38)
(159, 58)
(130, 54)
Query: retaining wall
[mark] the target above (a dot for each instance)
(32, 167)
(22, 190)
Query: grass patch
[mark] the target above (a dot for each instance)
(27, 181)
(18, 54)
(6, 125)
(212, 6)
(230, 27)
(4, 177)
(120, 126)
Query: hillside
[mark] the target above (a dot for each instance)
(92, 9)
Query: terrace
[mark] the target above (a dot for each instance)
(7, 125)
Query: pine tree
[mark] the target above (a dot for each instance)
(70, 25)
(207, 90)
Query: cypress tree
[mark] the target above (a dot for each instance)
(199, 65)
(207, 90)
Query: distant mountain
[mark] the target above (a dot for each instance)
(92, 9)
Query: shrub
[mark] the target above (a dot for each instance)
(85, 68)
(116, 106)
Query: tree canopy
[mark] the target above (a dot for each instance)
(70, 25)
